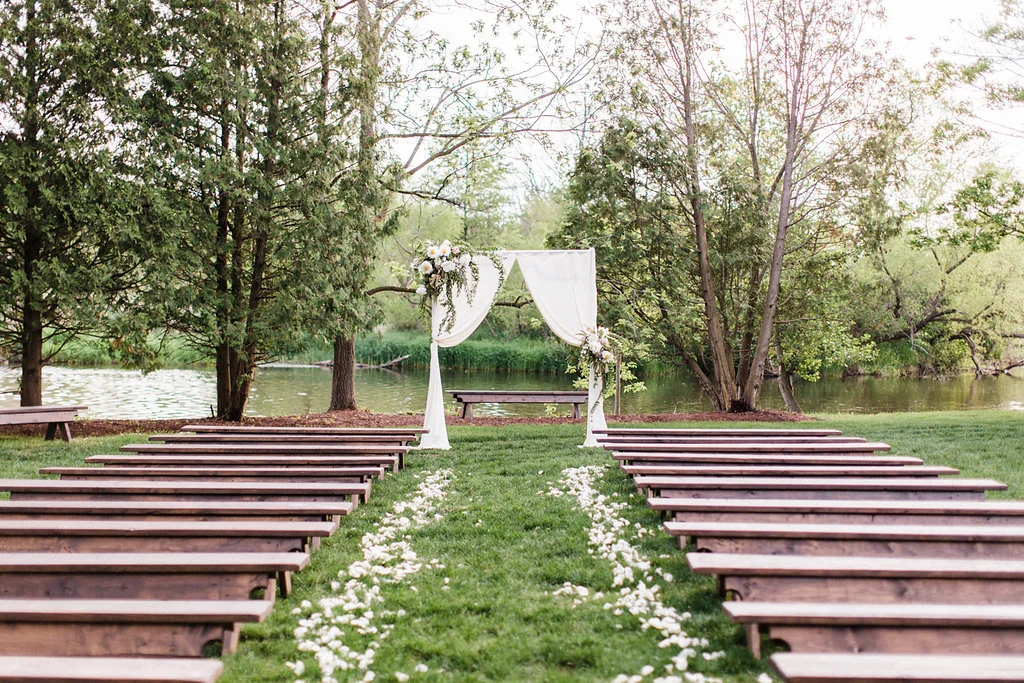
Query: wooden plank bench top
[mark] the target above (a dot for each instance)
(185, 490)
(800, 578)
(261, 449)
(339, 439)
(636, 457)
(1002, 512)
(246, 460)
(224, 473)
(108, 670)
(99, 536)
(897, 668)
(757, 431)
(57, 418)
(148, 576)
(887, 627)
(156, 510)
(468, 397)
(124, 628)
(614, 441)
(815, 487)
(757, 470)
(241, 429)
(895, 540)
(821, 447)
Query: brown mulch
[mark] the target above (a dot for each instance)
(362, 418)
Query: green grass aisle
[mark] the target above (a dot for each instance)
(505, 550)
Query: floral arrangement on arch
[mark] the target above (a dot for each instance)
(597, 349)
(448, 268)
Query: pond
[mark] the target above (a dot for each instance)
(291, 390)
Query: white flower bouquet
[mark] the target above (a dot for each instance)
(447, 268)
(596, 349)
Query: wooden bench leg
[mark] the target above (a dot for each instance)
(467, 412)
(575, 411)
(51, 431)
(64, 430)
(753, 639)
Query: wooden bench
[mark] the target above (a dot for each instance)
(751, 447)
(850, 488)
(182, 536)
(126, 460)
(688, 432)
(158, 510)
(108, 670)
(613, 441)
(881, 540)
(897, 668)
(873, 628)
(310, 492)
(148, 576)
(400, 440)
(57, 418)
(468, 398)
(638, 458)
(240, 429)
(796, 578)
(264, 449)
(703, 469)
(995, 512)
(224, 473)
(124, 628)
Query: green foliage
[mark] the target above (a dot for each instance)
(474, 353)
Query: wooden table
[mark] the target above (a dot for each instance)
(57, 418)
(468, 398)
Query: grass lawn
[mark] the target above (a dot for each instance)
(505, 550)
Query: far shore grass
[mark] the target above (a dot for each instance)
(505, 549)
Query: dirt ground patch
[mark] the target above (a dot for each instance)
(362, 418)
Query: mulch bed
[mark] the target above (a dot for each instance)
(362, 418)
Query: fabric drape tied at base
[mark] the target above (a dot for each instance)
(563, 285)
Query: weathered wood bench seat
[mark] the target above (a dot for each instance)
(158, 510)
(643, 458)
(759, 431)
(147, 576)
(224, 473)
(751, 447)
(897, 668)
(57, 418)
(280, 449)
(125, 460)
(797, 578)
(108, 670)
(882, 540)
(851, 488)
(822, 511)
(311, 491)
(615, 441)
(913, 628)
(721, 470)
(124, 628)
(112, 536)
(468, 398)
(253, 429)
(400, 440)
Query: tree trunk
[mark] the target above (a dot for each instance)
(31, 313)
(31, 357)
(786, 389)
(343, 386)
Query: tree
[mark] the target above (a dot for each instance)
(423, 100)
(235, 107)
(75, 222)
(748, 166)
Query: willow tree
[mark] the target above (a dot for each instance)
(753, 151)
(73, 214)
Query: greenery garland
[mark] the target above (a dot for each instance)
(448, 269)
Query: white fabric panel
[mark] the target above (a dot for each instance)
(563, 285)
(468, 316)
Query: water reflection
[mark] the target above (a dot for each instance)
(290, 390)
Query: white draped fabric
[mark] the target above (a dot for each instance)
(563, 286)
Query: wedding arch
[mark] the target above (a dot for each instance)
(563, 284)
